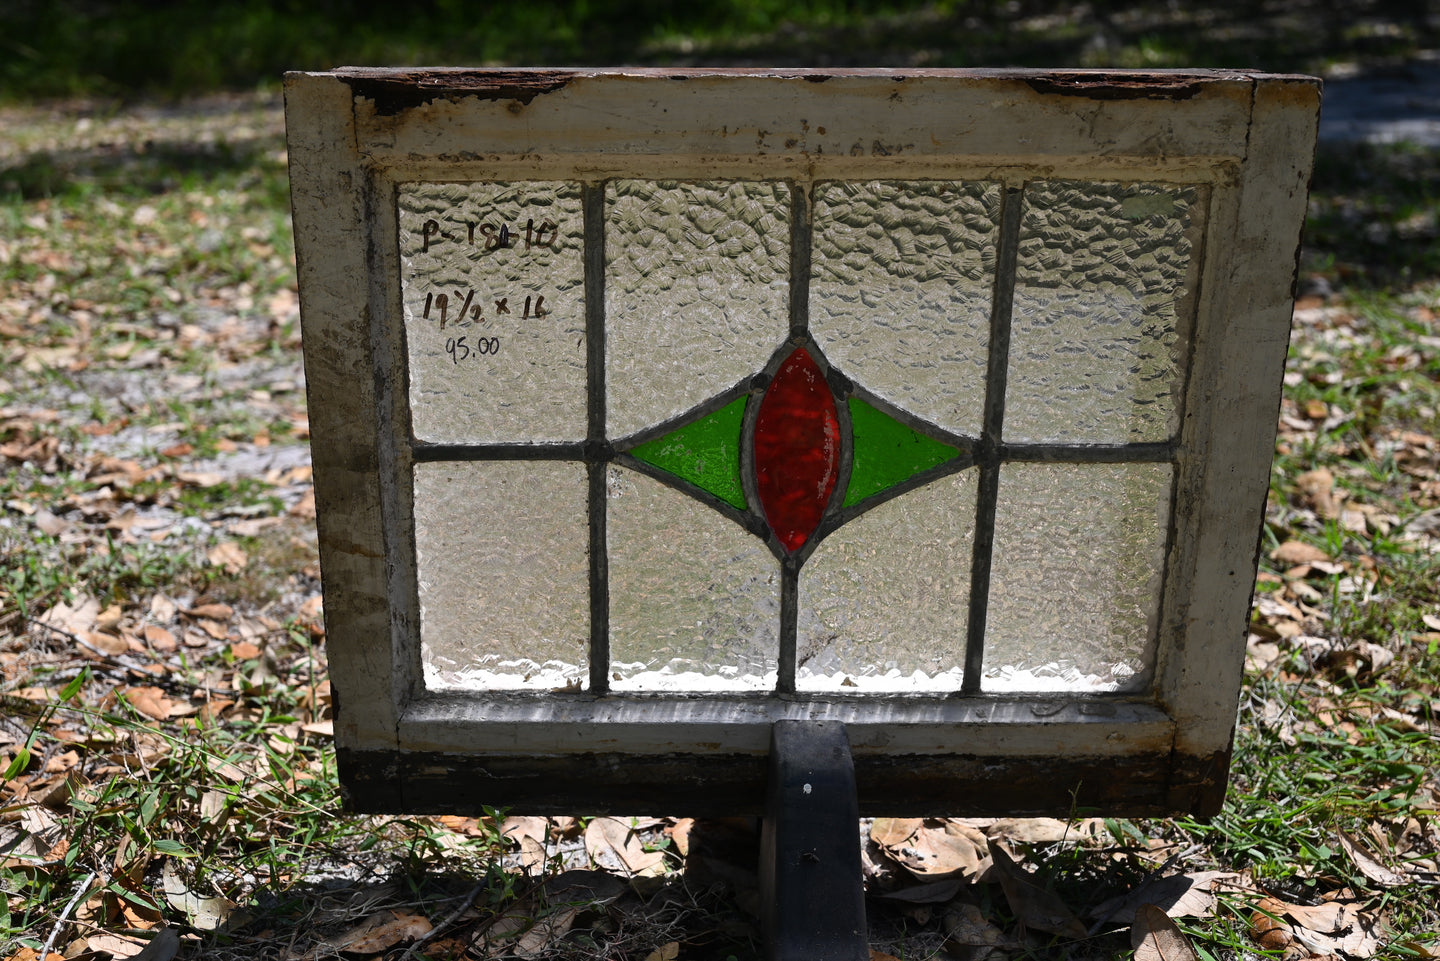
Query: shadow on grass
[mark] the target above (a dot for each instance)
(573, 915)
(133, 169)
(1374, 218)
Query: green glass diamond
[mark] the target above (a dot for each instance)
(705, 452)
(887, 452)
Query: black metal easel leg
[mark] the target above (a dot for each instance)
(810, 878)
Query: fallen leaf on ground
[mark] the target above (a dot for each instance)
(382, 931)
(679, 833)
(150, 701)
(1033, 906)
(158, 638)
(1033, 830)
(228, 555)
(1298, 552)
(966, 924)
(1179, 896)
(893, 832)
(1268, 929)
(120, 947)
(215, 612)
(111, 644)
(203, 913)
(1370, 865)
(666, 952)
(517, 827)
(933, 850)
(1156, 938)
(612, 840)
(76, 618)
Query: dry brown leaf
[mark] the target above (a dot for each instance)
(532, 856)
(547, 931)
(1179, 896)
(244, 651)
(1318, 486)
(215, 629)
(109, 643)
(77, 618)
(162, 608)
(1330, 917)
(1298, 552)
(893, 832)
(200, 478)
(115, 945)
(382, 931)
(1369, 864)
(203, 913)
(461, 825)
(1032, 830)
(666, 952)
(935, 853)
(158, 638)
(518, 827)
(1267, 929)
(612, 840)
(679, 833)
(215, 612)
(1354, 932)
(1033, 906)
(150, 701)
(966, 924)
(1156, 938)
(228, 555)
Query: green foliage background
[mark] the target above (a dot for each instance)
(177, 47)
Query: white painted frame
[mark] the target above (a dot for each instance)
(355, 133)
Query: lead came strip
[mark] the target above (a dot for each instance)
(998, 363)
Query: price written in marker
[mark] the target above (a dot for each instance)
(462, 349)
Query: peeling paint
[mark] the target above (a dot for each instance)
(1118, 86)
(395, 91)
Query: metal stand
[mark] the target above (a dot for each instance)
(810, 880)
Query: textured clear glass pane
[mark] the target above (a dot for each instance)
(502, 560)
(493, 292)
(902, 275)
(884, 600)
(696, 293)
(694, 599)
(1075, 581)
(1102, 286)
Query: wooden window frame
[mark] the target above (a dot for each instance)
(355, 133)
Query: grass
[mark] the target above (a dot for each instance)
(167, 762)
(122, 47)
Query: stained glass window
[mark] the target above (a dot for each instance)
(843, 437)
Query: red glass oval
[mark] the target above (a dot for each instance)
(797, 449)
